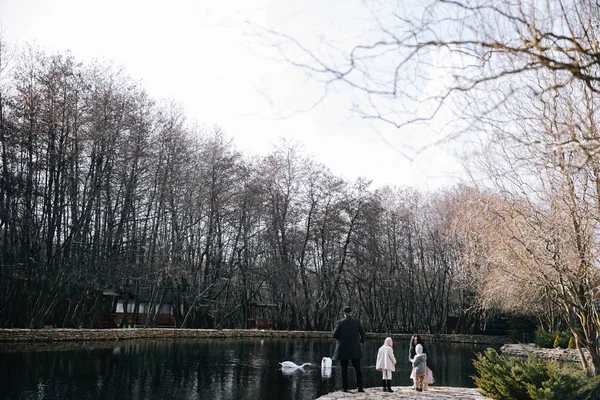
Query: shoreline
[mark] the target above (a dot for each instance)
(78, 335)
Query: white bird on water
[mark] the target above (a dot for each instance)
(290, 364)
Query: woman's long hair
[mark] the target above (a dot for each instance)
(412, 340)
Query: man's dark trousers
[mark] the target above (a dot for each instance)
(357, 373)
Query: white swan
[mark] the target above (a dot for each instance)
(290, 364)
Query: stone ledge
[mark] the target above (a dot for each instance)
(58, 335)
(557, 354)
(406, 393)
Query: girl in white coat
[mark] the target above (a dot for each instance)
(386, 362)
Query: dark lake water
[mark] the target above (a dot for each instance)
(204, 369)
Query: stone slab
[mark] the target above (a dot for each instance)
(522, 350)
(406, 393)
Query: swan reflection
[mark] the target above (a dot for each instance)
(326, 372)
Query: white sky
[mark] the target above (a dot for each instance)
(199, 54)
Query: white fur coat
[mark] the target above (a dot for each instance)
(385, 358)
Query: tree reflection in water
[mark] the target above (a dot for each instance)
(202, 369)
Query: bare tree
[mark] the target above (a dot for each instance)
(456, 60)
(534, 240)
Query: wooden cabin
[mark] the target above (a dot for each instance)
(261, 315)
(153, 304)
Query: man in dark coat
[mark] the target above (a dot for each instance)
(350, 336)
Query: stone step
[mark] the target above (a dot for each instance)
(401, 392)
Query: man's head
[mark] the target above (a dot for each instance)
(347, 310)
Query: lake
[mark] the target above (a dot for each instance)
(204, 369)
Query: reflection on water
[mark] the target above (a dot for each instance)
(204, 369)
(326, 372)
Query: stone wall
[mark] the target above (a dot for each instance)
(558, 354)
(447, 338)
(58, 335)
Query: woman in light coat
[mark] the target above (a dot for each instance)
(386, 362)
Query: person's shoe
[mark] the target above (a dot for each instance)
(361, 390)
(383, 383)
(389, 385)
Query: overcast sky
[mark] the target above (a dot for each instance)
(200, 54)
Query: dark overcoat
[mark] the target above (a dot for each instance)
(349, 334)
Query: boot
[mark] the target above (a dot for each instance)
(383, 383)
(389, 385)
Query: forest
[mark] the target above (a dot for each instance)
(103, 188)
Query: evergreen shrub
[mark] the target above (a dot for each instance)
(556, 340)
(520, 328)
(544, 339)
(565, 338)
(503, 378)
(553, 339)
